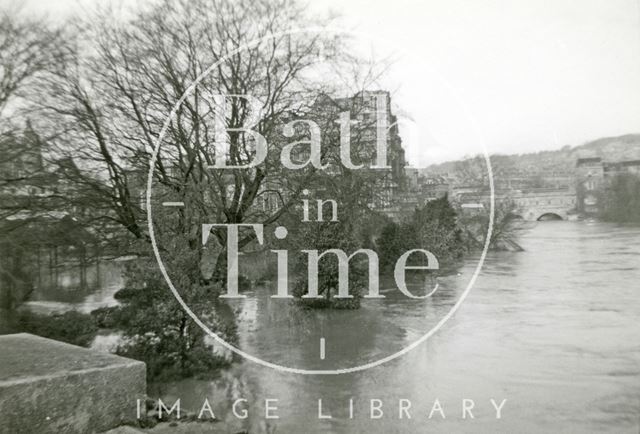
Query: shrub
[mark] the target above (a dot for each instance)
(156, 328)
(72, 327)
(323, 236)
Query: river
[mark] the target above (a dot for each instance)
(554, 330)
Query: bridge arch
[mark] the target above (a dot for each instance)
(513, 216)
(549, 216)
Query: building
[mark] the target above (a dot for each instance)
(32, 184)
(589, 182)
(419, 189)
(370, 117)
(39, 219)
(592, 179)
(369, 112)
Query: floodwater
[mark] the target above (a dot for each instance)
(554, 330)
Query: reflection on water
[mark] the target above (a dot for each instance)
(554, 330)
(66, 288)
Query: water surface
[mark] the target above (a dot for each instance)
(555, 330)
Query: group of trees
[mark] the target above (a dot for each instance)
(98, 91)
(506, 229)
(433, 226)
(28, 48)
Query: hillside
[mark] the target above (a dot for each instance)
(610, 149)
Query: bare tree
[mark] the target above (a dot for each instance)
(27, 48)
(112, 98)
(506, 230)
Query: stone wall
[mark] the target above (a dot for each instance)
(48, 386)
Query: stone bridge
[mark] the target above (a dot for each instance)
(545, 204)
(531, 205)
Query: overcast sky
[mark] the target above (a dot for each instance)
(530, 74)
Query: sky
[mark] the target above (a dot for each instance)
(509, 76)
